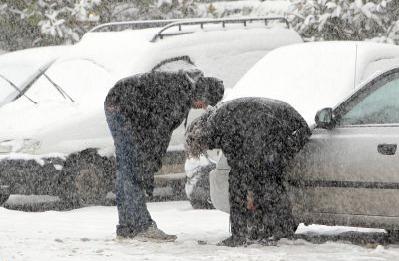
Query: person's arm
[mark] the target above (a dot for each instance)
(200, 136)
(213, 128)
(299, 132)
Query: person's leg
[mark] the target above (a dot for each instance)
(238, 211)
(130, 198)
(275, 207)
(255, 215)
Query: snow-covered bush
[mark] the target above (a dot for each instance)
(345, 19)
(27, 23)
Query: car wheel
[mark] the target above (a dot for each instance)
(4, 194)
(201, 204)
(393, 236)
(84, 180)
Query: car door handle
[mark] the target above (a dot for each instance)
(387, 149)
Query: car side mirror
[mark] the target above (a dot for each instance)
(324, 119)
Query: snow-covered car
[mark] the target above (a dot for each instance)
(347, 174)
(54, 138)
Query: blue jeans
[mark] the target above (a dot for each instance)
(130, 196)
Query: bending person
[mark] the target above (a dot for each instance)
(142, 111)
(258, 136)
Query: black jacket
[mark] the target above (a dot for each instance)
(156, 103)
(253, 132)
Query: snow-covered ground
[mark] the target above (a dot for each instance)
(89, 234)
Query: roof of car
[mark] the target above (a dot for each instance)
(312, 76)
(130, 52)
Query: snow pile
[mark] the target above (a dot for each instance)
(38, 158)
(89, 234)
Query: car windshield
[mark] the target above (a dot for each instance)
(84, 81)
(13, 80)
(6, 91)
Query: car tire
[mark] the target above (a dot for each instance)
(201, 204)
(4, 194)
(85, 179)
(393, 236)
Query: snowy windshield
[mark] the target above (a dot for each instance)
(6, 90)
(13, 74)
(85, 80)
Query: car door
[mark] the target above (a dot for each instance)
(353, 168)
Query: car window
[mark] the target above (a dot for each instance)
(380, 106)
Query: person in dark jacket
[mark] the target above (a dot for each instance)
(142, 111)
(258, 137)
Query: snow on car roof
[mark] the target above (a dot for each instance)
(312, 76)
(130, 52)
(209, 51)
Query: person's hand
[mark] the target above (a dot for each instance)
(199, 105)
(250, 201)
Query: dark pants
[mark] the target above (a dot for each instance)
(272, 216)
(130, 196)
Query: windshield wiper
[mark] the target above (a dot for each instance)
(56, 86)
(16, 88)
(40, 72)
(31, 80)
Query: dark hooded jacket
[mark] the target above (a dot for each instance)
(258, 137)
(156, 103)
(254, 131)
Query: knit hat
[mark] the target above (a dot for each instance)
(210, 90)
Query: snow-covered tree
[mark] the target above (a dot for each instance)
(28, 23)
(40, 22)
(344, 19)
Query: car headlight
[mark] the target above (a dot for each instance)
(19, 145)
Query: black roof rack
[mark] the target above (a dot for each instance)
(117, 26)
(222, 21)
(167, 24)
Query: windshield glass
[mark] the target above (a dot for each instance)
(85, 80)
(6, 91)
(17, 74)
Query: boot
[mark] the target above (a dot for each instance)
(233, 241)
(125, 232)
(154, 234)
(238, 226)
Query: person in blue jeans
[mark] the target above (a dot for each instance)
(142, 111)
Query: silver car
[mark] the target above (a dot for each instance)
(348, 92)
